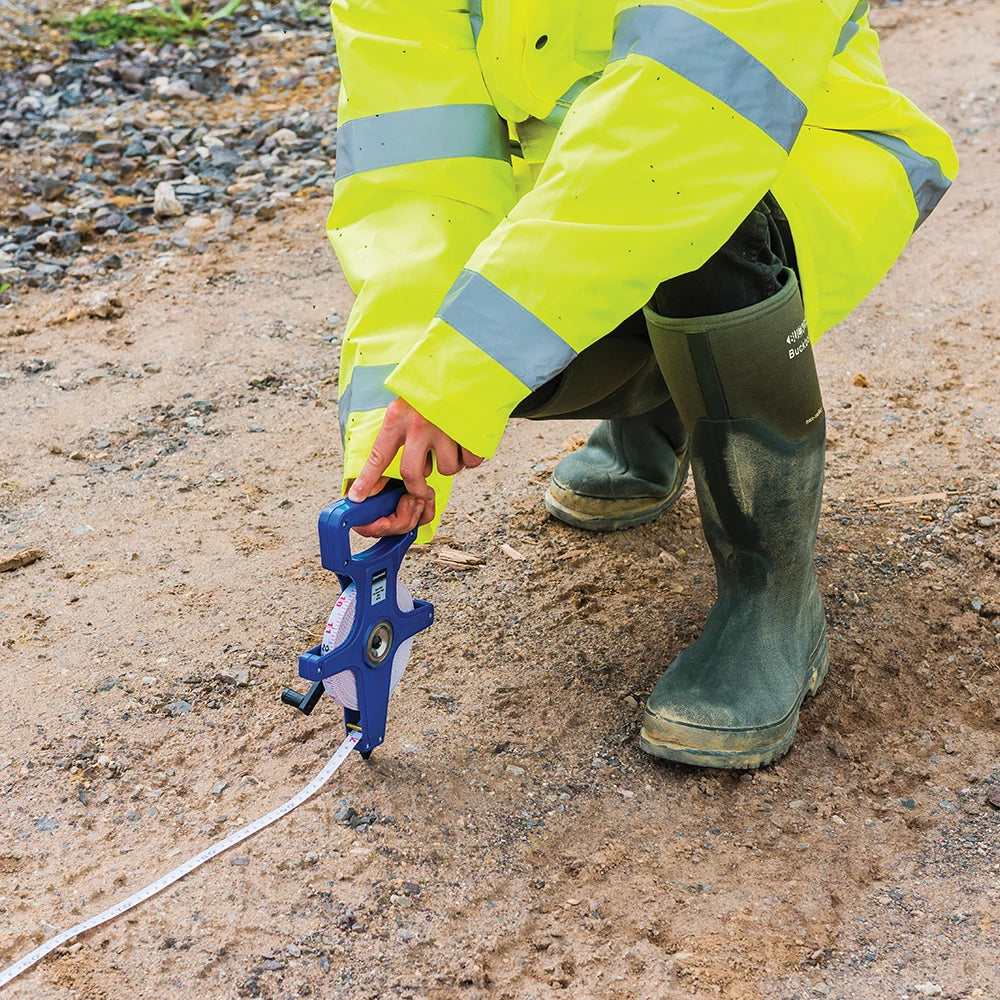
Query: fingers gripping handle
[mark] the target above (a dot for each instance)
(379, 625)
(338, 518)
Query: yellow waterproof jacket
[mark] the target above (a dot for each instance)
(642, 134)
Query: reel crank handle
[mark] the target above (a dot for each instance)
(305, 703)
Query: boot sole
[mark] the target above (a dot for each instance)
(731, 756)
(557, 506)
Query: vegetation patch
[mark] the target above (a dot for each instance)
(110, 24)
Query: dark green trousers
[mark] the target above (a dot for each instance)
(618, 376)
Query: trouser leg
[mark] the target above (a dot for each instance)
(634, 465)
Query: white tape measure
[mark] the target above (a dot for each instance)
(31, 959)
(342, 687)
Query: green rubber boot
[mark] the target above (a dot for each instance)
(745, 383)
(630, 471)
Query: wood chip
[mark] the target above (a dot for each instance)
(510, 552)
(24, 557)
(903, 501)
(572, 554)
(456, 558)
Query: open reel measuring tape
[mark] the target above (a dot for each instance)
(371, 628)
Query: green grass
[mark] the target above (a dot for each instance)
(110, 23)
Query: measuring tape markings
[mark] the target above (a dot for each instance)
(33, 958)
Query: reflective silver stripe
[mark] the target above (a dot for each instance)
(476, 17)
(442, 132)
(709, 59)
(558, 113)
(366, 391)
(923, 172)
(852, 27)
(505, 330)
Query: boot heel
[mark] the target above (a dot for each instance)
(821, 665)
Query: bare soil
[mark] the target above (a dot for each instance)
(170, 460)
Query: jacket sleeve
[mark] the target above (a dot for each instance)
(423, 176)
(653, 168)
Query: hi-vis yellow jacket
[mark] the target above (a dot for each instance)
(643, 134)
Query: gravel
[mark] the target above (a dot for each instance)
(138, 141)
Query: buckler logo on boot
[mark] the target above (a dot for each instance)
(797, 340)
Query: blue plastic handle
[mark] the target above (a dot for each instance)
(374, 573)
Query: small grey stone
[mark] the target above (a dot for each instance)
(35, 213)
(323, 963)
(69, 242)
(219, 787)
(179, 707)
(108, 684)
(220, 156)
(46, 824)
(51, 188)
(293, 950)
(239, 862)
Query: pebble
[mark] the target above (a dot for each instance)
(165, 201)
(179, 707)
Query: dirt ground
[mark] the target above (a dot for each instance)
(510, 839)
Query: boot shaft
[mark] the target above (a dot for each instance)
(755, 363)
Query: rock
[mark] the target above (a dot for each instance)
(69, 243)
(219, 787)
(179, 707)
(220, 156)
(102, 304)
(165, 203)
(51, 188)
(927, 989)
(46, 824)
(285, 137)
(111, 220)
(35, 213)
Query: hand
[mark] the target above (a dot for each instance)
(423, 445)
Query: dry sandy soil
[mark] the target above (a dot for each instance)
(513, 842)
